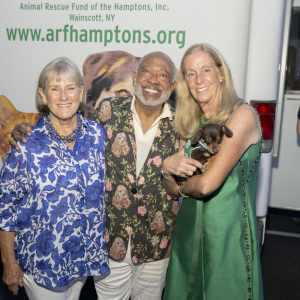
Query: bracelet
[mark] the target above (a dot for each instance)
(181, 193)
(299, 113)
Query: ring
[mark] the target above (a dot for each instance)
(186, 171)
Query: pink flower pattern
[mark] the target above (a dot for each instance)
(163, 244)
(134, 259)
(155, 240)
(131, 178)
(158, 132)
(106, 238)
(149, 161)
(129, 230)
(157, 160)
(109, 133)
(108, 186)
(142, 210)
(141, 180)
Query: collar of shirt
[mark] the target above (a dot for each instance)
(166, 113)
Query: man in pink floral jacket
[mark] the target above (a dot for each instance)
(140, 216)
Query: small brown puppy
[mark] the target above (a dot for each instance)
(206, 143)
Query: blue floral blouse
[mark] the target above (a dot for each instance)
(53, 198)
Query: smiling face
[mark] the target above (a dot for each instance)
(153, 82)
(63, 98)
(203, 77)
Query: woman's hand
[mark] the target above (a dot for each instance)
(24, 128)
(13, 276)
(176, 166)
(179, 165)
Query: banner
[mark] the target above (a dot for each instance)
(32, 33)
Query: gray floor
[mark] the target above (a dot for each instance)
(280, 258)
(280, 261)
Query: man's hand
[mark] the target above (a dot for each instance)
(24, 128)
(13, 276)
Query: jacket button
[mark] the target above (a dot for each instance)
(133, 191)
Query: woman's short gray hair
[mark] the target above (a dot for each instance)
(61, 66)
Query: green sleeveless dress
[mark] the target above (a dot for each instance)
(215, 252)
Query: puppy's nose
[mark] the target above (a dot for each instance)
(215, 149)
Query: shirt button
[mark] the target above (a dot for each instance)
(133, 191)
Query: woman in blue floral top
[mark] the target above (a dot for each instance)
(52, 210)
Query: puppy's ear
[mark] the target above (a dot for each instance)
(226, 131)
(197, 136)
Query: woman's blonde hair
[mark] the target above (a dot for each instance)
(61, 66)
(188, 110)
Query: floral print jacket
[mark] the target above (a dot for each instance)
(53, 198)
(139, 206)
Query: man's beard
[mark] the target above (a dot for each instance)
(139, 94)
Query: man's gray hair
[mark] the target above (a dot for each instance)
(161, 54)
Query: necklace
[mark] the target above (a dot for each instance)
(68, 138)
(203, 119)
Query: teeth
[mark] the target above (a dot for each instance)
(151, 91)
(201, 90)
(64, 105)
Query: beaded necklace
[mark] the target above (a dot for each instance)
(69, 138)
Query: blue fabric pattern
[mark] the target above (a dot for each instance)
(53, 198)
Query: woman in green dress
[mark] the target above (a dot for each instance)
(215, 252)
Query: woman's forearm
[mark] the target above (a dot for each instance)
(12, 272)
(7, 246)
